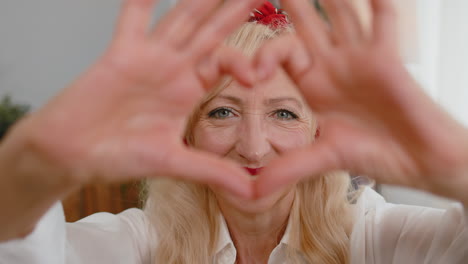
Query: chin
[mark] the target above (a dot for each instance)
(246, 206)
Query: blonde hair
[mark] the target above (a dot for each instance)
(186, 215)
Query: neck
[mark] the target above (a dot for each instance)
(255, 235)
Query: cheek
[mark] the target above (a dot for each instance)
(218, 140)
(285, 139)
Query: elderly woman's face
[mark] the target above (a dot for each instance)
(253, 126)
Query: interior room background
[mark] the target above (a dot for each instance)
(45, 45)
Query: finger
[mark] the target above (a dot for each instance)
(222, 23)
(227, 61)
(346, 26)
(310, 26)
(290, 53)
(207, 169)
(296, 166)
(384, 21)
(286, 51)
(135, 18)
(184, 19)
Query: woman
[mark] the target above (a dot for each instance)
(138, 116)
(251, 127)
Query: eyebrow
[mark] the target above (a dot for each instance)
(270, 101)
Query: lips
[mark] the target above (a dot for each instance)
(253, 171)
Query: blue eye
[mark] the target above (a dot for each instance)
(284, 114)
(220, 113)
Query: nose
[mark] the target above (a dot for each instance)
(253, 144)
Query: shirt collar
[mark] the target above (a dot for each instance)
(225, 244)
(224, 238)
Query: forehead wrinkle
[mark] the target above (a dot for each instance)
(283, 99)
(231, 98)
(270, 101)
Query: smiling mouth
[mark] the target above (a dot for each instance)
(253, 171)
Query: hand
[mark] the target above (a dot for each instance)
(374, 119)
(124, 119)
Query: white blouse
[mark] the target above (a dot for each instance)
(383, 233)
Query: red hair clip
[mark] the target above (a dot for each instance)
(269, 15)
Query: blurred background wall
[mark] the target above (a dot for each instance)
(46, 44)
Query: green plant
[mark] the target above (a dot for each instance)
(10, 113)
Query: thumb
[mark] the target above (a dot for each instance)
(295, 166)
(205, 168)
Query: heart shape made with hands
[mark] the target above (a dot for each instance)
(372, 114)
